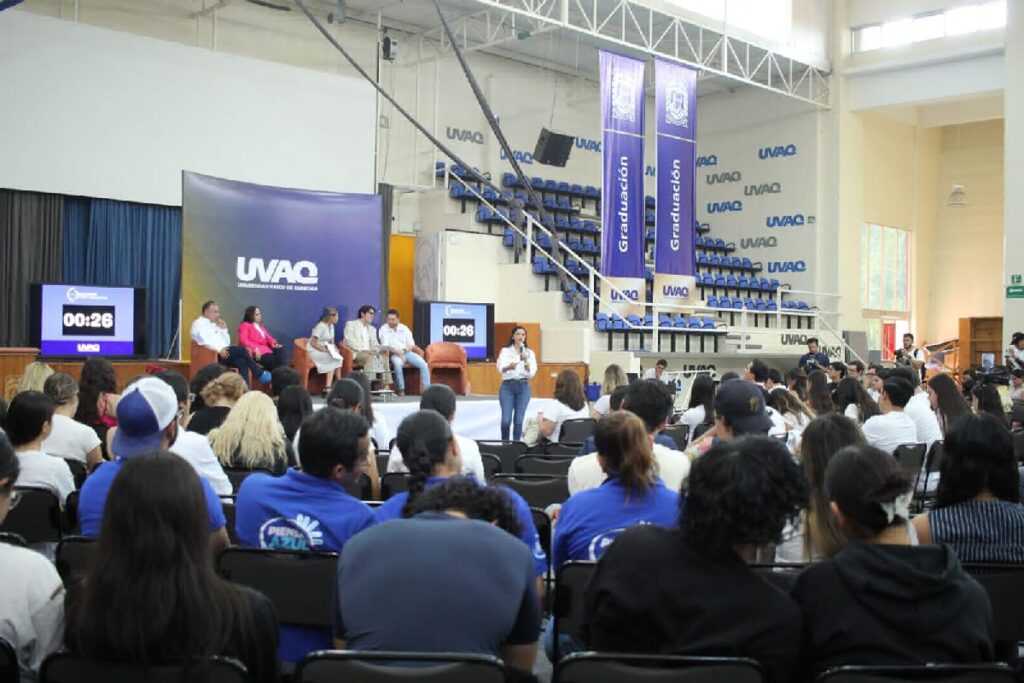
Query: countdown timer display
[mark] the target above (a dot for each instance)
(82, 320)
(458, 330)
(470, 325)
(88, 320)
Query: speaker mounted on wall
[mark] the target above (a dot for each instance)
(552, 148)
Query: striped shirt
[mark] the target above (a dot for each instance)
(981, 530)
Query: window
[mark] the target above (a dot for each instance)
(884, 278)
(955, 21)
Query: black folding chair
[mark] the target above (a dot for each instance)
(507, 451)
(398, 667)
(228, 504)
(63, 667)
(567, 600)
(392, 483)
(73, 556)
(577, 429)
(538, 490)
(8, 663)
(236, 475)
(542, 522)
(1018, 444)
(946, 673)
(910, 456)
(782, 574)
(382, 462)
(562, 448)
(602, 667)
(542, 464)
(35, 515)
(1005, 587)
(361, 488)
(11, 538)
(679, 433)
(71, 521)
(78, 471)
(699, 430)
(492, 465)
(302, 585)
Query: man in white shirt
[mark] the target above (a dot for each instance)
(873, 382)
(361, 338)
(911, 357)
(194, 447)
(658, 372)
(919, 409)
(210, 331)
(396, 339)
(441, 398)
(651, 401)
(893, 427)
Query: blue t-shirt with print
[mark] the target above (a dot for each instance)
(298, 511)
(590, 520)
(392, 509)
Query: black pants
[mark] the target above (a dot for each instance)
(269, 361)
(239, 358)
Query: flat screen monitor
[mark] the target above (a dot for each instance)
(471, 326)
(69, 320)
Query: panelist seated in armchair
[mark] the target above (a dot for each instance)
(254, 338)
(210, 331)
(367, 354)
(396, 339)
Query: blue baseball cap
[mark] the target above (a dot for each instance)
(145, 410)
(741, 404)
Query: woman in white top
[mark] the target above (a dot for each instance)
(29, 420)
(853, 401)
(570, 403)
(702, 401)
(322, 349)
(517, 364)
(69, 439)
(614, 378)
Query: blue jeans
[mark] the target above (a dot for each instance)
(513, 397)
(414, 359)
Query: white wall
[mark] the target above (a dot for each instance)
(1013, 309)
(89, 111)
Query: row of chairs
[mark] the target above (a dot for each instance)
(605, 322)
(553, 187)
(737, 303)
(734, 262)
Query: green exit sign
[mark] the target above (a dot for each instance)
(1016, 292)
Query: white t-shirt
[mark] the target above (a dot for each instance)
(558, 413)
(650, 374)
(919, 409)
(586, 473)
(398, 339)
(889, 430)
(31, 605)
(380, 430)
(207, 333)
(508, 355)
(693, 417)
(70, 439)
(852, 412)
(603, 405)
(472, 463)
(44, 471)
(875, 395)
(195, 449)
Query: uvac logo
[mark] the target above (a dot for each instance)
(777, 151)
(465, 135)
(627, 295)
(709, 160)
(763, 188)
(759, 242)
(276, 271)
(787, 267)
(676, 291)
(88, 348)
(788, 221)
(727, 177)
(588, 145)
(520, 156)
(723, 207)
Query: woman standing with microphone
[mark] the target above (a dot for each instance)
(517, 365)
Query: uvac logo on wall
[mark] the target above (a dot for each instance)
(276, 273)
(465, 135)
(722, 207)
(725, 177)
(520, 156)
(759, 242)
(709, 160)
(676, 291)
(777, 151)
(787, 221)
(588, 145)
(787, 267)
(763, 188)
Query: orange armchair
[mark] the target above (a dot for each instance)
(447, 364)
(305, 367)
(199, 356)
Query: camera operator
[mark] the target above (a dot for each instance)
(1015, 352)
(910, 356)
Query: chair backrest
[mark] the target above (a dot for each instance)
(544, 464)
(302, 585)
(392, 483)
(399, 667)
(228, 505)
(236, 475)
(563, 448)
(382, 461)
(699, 430)
(539, 490)
(445, 352)
(680, 435)
(73, 556)
(11, 538)
(1018, 445)
(935, 455)
(8, 663)
(910, 456)
(71, 525)
(1005, 587)
(78, 471)
(542, 521)
(577, 429)
(946, 673)
(35, 516)
(567, 602)
(599, 667)
(63, 667)
(507, 451)
(361, 488)
(492, 465)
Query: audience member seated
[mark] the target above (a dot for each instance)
(203, 376)
(795, 413)
(32, 599)
(615, 403)
(819, 393)
(739, 410)
(380, 431)
(985, 399)
(689, 591)
(352, 393)
(145, 422)
(219, 396)
(757, 372)
(210, 331)
(97, 398)
(946, 401)
(873, 378)
(251, 437)
(34, 376)
(456, 578)
(816, 536)
(29, 420)
(1017, 385)
(281, 378)
(775, 381)
(651, 401)
(570, 404)
(261, 345)
(431, 454)
(68, 438)
(614, 377)
(882, 600)
(855, 370)
(835, 371)
(977, 508)
(294, 405)
(152, 594)
(701, 407)
(193, 447)
(893, 427)
(657, 372)
(796, 381)
(853, 401)
(919, 408)
(441, 398)
(309, 510)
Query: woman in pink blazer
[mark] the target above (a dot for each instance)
(255, 339)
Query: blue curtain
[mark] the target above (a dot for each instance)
(108, 242)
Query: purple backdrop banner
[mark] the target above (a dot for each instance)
(622, 197)
(676, 121)
(290, 252)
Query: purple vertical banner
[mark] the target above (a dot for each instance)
(622, 195)
(675, 89)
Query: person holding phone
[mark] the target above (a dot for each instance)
(814, 359)
(517, 364)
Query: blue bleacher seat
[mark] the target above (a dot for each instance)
(737, 262)
(588, 246)
(771, 305)
(761, 305)
(707, 323)
(483, 214)
(665, 320)
(737, 303)
(698, 242)
(702, 259)
(649, 202)
(489, 194)
(720, 242)
(730, 280)
(707, 279)
(538, 264)
(549, 204)
(601, 321)
(804, 306)
(680, 321)
(564, 188)
(509, 238)
(458, 170)
(650, 234)
(648, 320)
(591, 192)
(775, 283)
(754, 283)
(574, 243)
(561, 223)
(575, 223)
(719, 280)
(713, 301)
(537, 183)
(715, 260)
(550, 185)
(694, 323)
(564, 204)
(634, 320)
(749, 303)
(456, 191)
(576, 190)
(742, 282)
(649, 217)
(617, 323)
(544, 241)
(508, 179)
(589, 226)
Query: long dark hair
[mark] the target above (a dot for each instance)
(512, 334)
(951, 403)
(97, 378)
(702, 393)
(786, 402)
(293, 406)
(977, 456)
(366, 407)
(423, 439)
(250, 314)
(822, 439)
(850, 391)
(621, 441)
(569, 389)
(10, 466)
(989, 402)
(861, 480)
(798, 378)
(819, 398)
(150, 593)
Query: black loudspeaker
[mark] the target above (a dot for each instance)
(552, 148)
